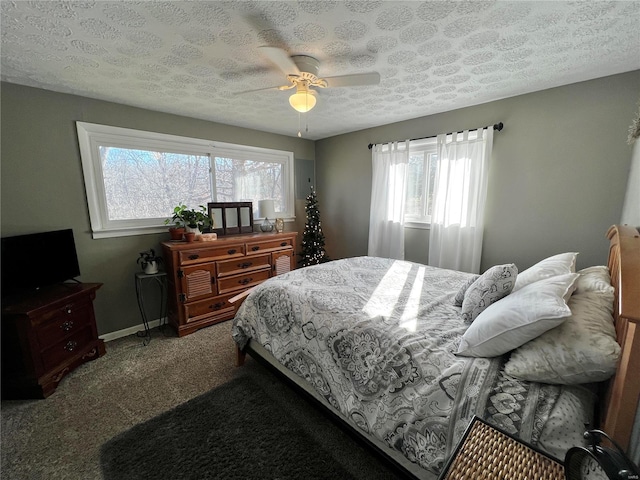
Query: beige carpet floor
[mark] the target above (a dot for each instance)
(60, 437)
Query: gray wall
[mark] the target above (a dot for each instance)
(557, 178)
(43, 188)
(556, 182)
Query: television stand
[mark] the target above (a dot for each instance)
(45, 335)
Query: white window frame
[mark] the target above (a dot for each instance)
(91, 136)
(426, 146)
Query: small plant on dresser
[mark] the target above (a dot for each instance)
(177, 229)
(194, 219)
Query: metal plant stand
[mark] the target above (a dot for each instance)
(159, 279)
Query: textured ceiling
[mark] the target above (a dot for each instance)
(192, 57)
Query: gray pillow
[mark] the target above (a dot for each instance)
(459, 298)
(494, 284)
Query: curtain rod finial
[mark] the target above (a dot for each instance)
(498, 126)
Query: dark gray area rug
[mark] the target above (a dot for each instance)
(252, 427)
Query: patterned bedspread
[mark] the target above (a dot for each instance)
(375, 338)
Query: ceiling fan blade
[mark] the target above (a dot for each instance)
(280, 59)
(265, 29)
(357, 79)
(258, 90)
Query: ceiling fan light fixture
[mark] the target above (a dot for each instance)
(303, 100)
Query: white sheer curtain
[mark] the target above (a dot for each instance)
(457, 220)
(386, 220)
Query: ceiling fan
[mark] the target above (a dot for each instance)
(302, 73)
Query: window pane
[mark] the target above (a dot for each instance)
(249, 180)
(415, 185)
(142, 184)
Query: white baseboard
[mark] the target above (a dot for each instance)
(107, 337)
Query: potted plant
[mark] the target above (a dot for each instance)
(149, 261)
(196, 220)
(177, 230)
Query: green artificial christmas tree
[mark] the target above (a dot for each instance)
(312, 238)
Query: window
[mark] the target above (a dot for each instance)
(421, 177)
(134, 179)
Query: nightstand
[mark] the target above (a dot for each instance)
(45, 335)
(487, 452)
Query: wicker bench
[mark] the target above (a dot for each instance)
(486, 453)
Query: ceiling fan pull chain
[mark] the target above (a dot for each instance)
(299, 126)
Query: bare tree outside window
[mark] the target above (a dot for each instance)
(249, 180)
(421, 176)
(415, 186)
(148, 184)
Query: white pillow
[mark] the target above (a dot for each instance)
(549, 267)
(595, 279)
(581, 350)
(494, 284)
(519, 317)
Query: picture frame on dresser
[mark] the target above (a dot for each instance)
(231, 218)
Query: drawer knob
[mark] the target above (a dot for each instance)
(71, 345)
(283, 244)
(245, 264)
(256, 248)
(66, 326)
(231, 251)
(244, 281)
(216, 306)
(194, 256)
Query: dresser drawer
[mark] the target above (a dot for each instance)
(210, 307)
(64, 322)
(242, 282)
(242, 265)
(66, 348)
(268, 245)
(188, 257)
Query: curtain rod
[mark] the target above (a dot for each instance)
(498, 126)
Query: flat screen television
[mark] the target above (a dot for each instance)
(34, 261)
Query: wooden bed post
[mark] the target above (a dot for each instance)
(621, 402)
(240, 356)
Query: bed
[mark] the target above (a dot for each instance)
(405, 355)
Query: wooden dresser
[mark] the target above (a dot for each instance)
(203, 276)
(46, 335)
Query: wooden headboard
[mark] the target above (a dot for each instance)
(621, 401)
